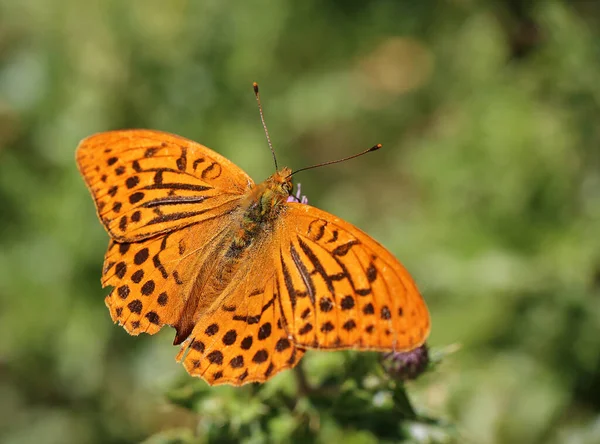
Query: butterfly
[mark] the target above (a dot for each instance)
(248, 280)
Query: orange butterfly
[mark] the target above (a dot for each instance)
(248, 280)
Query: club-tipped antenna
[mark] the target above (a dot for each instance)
(331, 162)
(262, 119)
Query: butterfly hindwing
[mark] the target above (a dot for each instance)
(243, 337)
(153, 279)
(148, 182)
(342, 289)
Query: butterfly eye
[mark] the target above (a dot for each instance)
(287, 187)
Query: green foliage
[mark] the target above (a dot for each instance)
(487, 188)
(346, 401)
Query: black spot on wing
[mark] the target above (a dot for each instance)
(343, 249)
(182, 160)
(159, 266)
(212, 171)
(316, 229)
(197, 162)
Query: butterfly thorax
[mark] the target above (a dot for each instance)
(262, 206)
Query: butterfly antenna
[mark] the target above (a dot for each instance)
(373, 148)
(262, 118)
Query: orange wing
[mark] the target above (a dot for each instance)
(242, 337)
(343, 289)
(148, 182)
(154, 278)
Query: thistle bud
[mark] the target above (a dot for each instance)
(406, 365)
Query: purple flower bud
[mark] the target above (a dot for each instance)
(406, 365)
(298, 197)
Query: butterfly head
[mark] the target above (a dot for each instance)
(281, 182)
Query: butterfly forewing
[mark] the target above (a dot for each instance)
(342, 289)
(148, 182)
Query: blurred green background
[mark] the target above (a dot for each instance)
(488, 189)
